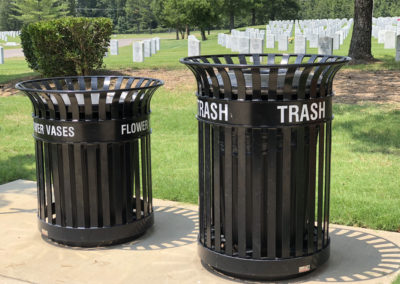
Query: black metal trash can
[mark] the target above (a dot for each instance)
(92, 141)
(264, 161)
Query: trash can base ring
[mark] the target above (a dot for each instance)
(262, 269)
(95, 236)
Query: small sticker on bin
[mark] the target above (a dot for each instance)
(304, 268)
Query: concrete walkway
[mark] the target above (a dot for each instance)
(166, 253)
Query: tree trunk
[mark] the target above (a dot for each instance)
(231, 20)
(360, 46)
(182, 34)
(253, 16)
(208, 31)
(187, 30)
(203, 34)
(177, 34)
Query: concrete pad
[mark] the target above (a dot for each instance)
(167, 252)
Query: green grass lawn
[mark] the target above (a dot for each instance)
(172, 50)
(397, 281)
(365, 164)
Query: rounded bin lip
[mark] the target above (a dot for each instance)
(187, 60)
(19, 85)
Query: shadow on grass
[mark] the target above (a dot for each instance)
(21, 166)
(384, 62)
(374, 130)
(13, 78)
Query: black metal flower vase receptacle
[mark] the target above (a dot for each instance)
(264, 128)
(92, 142)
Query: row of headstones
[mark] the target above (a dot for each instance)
(300, 42)
(386, 29)
(145, 48)
(242, 44)
(249, 33)
(141, 49)
(325, 45)
(5, 34)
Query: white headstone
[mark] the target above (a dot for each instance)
(147, 48)
(1, 55)
(300, 44)
(256, 45)
(398, 48)
(342, 36)
(390, 40)
(153, 46)
(270, 42)
(234, 43)
(381, 36)
(336, 41)
(283, 42)
(313, 41)
(114, 47)
(228, 41)
(325, 45)
(244, 45)
(138, 51)
(221, 39)
(193, 47)
(157, 43)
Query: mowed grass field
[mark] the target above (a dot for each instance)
(366, 138)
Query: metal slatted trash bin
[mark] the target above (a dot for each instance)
(92, 142)
(264, 161)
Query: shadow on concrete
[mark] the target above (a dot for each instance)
(173, 227)
(355, 256)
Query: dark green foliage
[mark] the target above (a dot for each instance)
(386, 8)
(326, 9)
(30, 11)
(66, 46)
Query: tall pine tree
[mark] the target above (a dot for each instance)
(30, 11)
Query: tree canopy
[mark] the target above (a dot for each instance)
(30, 11)
(135, 16)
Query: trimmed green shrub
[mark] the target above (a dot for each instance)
(66, 46)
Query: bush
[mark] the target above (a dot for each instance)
(66, 46)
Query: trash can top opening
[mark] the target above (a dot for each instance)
(264, 60)
(88, 84)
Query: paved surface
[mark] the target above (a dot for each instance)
(166, 253)
(15, 52)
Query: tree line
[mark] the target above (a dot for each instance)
(137, 16)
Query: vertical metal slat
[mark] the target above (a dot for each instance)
(228, 192)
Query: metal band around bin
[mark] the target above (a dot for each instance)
(264, 113)
(56, 131)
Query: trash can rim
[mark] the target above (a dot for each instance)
(19, 85)
(187, 61)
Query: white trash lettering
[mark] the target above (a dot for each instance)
(134, 127)
(294, 113)
(213, 111)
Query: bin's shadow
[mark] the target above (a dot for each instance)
(355, 256)
(173, 227)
